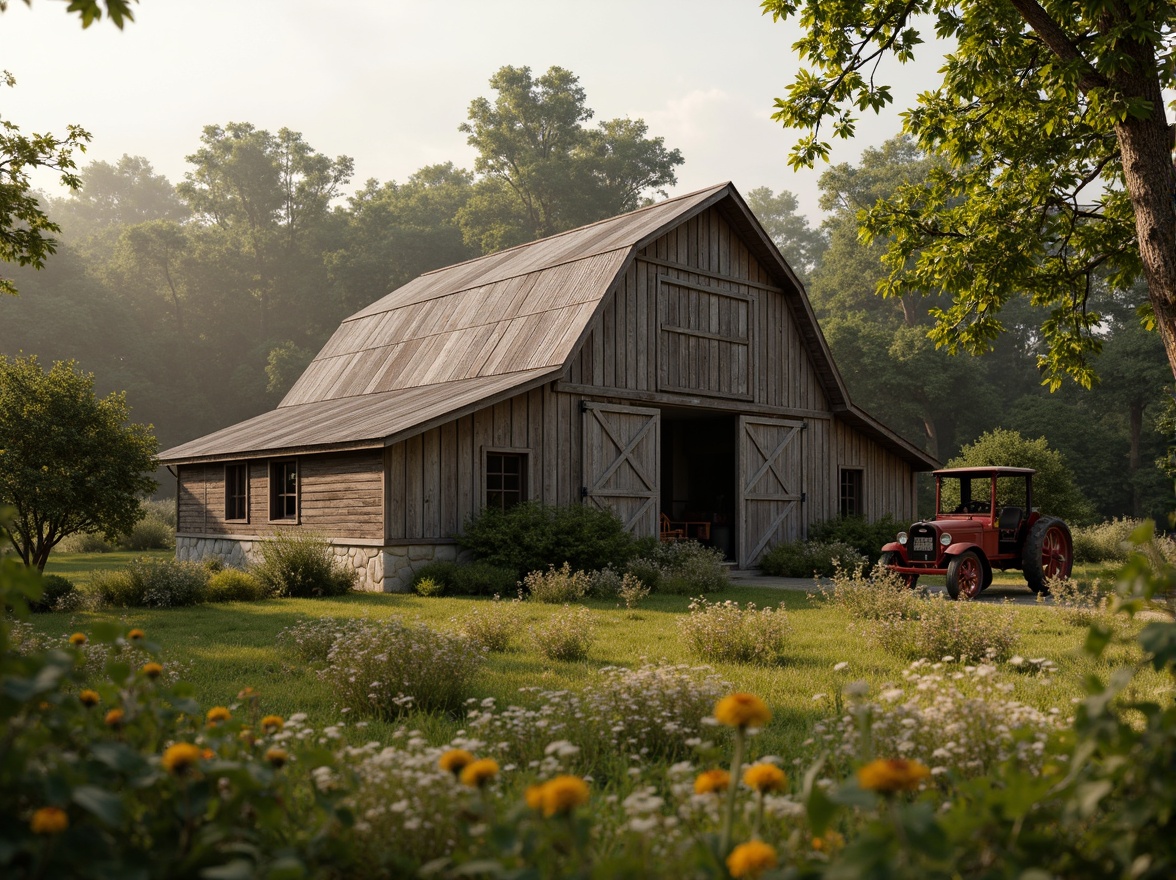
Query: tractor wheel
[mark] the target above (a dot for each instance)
(892, 558)
(965, 575)
(1048, 553)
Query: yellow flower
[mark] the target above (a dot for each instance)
(561, 795)
(77, 639)
(114, 718)
(181, 758)
(831, 841)
(218, 714)
(765, 778)
(455, 760)
(534, 796)
(712, 782)
(478, 773)
(889, 775)
(207, 754)
(136, 635)
(742, 710)
(277, 757)
(272, 723)
(247, 693)
(751, 859)
(49, 820)
(152, 670)
(89, 697)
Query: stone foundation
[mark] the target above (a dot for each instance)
(380, 569)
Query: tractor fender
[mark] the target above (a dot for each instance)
(960, 546)
(894, 547)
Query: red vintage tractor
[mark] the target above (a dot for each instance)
(984, 519)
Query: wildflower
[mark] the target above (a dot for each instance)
(712, 782)
(751, 859)
(764, 778)
(218, 714)
(742, 711)
(247, 693)
(207, 754)
(534, 797)
(77, 639)
(49, 820)
(272, 723)
(830, 841)
(89, 697)
(136, 635)
(276, 757)
(180, 758)
(114, 718)
(152, 670)
(455, 760)
(561, 795)
(890, 775)
(478, 773)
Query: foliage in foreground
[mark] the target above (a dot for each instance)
(113, 770)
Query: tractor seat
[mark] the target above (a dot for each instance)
(1009, 522)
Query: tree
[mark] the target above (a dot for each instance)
(542, 171)
(801, 245)
(25, 229)
(112, 196)
(90, 11)
(1051, 123)
(1054, 490)
(68, 461)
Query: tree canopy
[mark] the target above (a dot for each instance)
(1050, 123)
(69, 462)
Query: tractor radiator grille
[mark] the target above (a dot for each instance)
(922, 547)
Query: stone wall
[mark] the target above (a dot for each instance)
(380, 569)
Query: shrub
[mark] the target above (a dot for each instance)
(531, 536)
(1082, 603)
(483, 579)
(1111, 541)
(84, 542)
(865, 537)
(56, 595)
(879, 594)
(150, 533)
(802, 559)
(951, 629)
(310, 641)
(681, 568)
(557, 586)
(724, 632)
(443, 573)
(301, 565)
(428, 587)
(151, 583)
(234, 585)
(566, 635)
(632, 591)
(382, 668)
(491, 624)
(605, 583)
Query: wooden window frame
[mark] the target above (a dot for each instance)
(859, 494)
(524, 491)
(243, 468)
(275, 493)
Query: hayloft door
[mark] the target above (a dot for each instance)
(622, 448)
(770, 477)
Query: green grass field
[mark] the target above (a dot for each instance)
(79, 567)
(224, 648)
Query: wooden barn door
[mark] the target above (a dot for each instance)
(622, 461)
(770, 478)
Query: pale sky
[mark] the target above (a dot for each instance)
(387, 82)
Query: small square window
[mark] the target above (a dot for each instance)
(851, 492)
(237, 492)
(284, 490)
(506, 479)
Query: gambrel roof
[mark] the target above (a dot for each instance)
(456, 339)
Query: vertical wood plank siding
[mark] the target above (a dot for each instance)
(340, 495)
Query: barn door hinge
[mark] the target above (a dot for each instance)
(803, 497)
(583, 491)
(583, 406)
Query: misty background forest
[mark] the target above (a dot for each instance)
(203, 299)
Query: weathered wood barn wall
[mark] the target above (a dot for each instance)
(662, 362)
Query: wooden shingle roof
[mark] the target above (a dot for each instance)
(461, 337)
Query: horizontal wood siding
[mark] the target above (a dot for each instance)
(341, 495)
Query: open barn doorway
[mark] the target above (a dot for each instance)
(699, 462)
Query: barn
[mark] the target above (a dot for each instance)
(665, 364)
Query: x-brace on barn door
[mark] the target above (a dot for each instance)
(622, 462)
(771, 474)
